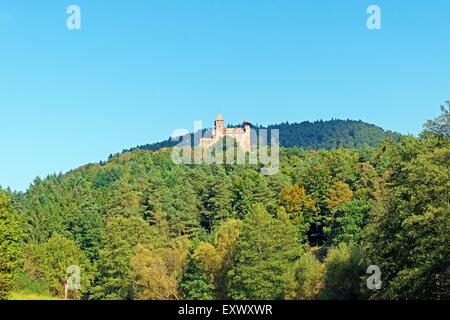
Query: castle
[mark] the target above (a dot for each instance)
(241, 135)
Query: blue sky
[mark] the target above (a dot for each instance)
(137, 70)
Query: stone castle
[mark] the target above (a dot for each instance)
(241, 135)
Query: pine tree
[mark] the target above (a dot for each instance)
(265, 251)
(123, 201)
(88, 227)
(194, 283)
(216, 199)
(114, 274)
(10, 248)
(251, 188)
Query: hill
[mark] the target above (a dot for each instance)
(139, 226)
(315, 135)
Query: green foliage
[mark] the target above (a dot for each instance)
(195, 284)
(88, 227)
(265, 250)
(315, 135)
(216, 198)
(348, 222)
(251, 188)
(206, 273)
(123, 201)
(176, 198)
(407, 235)
(27, 286)
(49, 262)
(300, 208)
(344, 269)
(158, 270)
(315, 175)
(440, 127)
(10, 249)
(156, 230)
(339, 194)
(114, 274)
(305, 278)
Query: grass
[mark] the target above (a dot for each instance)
(30, 296)
(28, 288)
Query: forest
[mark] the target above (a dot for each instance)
(141, 227)
(312, 135)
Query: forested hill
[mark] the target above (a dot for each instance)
(140, 226)
(316, 135)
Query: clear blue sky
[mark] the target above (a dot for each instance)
(140, 69)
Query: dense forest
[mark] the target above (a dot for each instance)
(313, 135)
(141, 227)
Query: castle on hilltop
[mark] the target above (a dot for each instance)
(241, 135)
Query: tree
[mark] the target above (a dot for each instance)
(123, 201)
(301, 208)
(407, 233)
(50, 261)
(129, 214)
(216, 199)
(195, 284)
(343, 164)
(225, 241)
(439, 127)
(88, 227)
(208, 266)
(265, 250)
(365, 186)
(176, 198)
(344, 269)
(340, 193)
(114, 274)
(251, 188)
(208, 258)
(305, 278)
(10, 248)
(158, 270)
(198, 281)
(315, 175)
(348, 222)
(41, 210)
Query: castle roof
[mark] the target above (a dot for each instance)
(219, 118)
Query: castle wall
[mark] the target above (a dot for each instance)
(241, 135)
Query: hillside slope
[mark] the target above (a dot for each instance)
(315, 135)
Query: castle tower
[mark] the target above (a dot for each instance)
(246, 142)
(246, 125)
(241, 135)
(219, 124)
